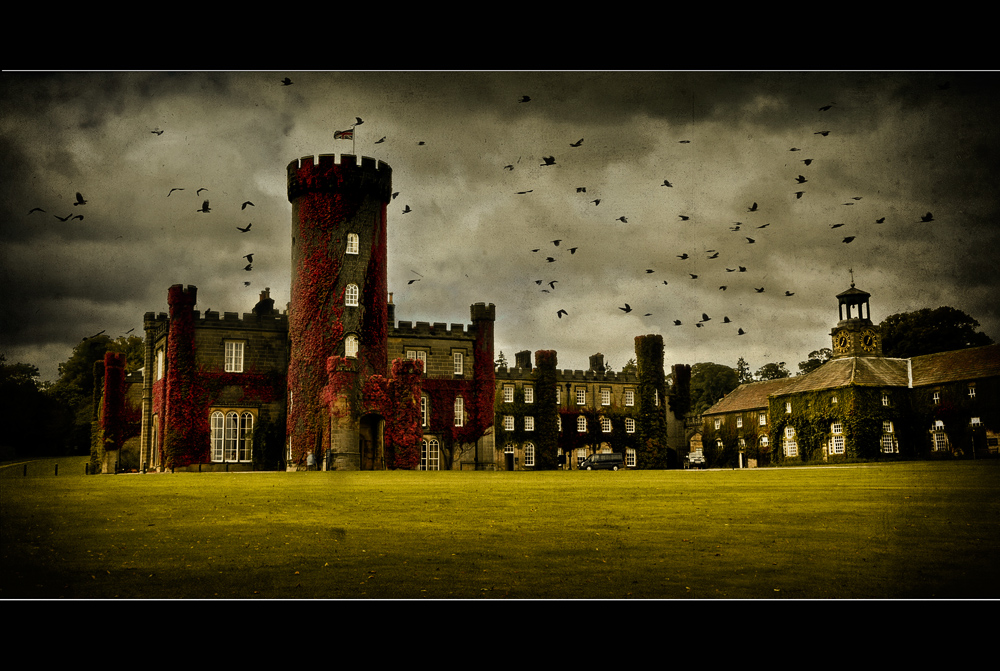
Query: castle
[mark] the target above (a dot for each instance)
(335, 383)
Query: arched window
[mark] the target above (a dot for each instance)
(351, 346)
(352, 243)
(581, 424)
(232, 436)
(529, 454)
(351, 296)
(430, 455)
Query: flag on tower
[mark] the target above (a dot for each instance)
(343, 134)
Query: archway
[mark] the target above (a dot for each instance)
(370, 449)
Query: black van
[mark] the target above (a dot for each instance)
(609, 460)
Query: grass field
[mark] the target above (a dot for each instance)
(920, 530)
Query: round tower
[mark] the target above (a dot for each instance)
(338, 291)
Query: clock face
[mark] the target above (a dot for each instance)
(842, 341)
(869, 340)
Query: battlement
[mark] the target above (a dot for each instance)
(567, 375)
(437, 329)
(233, 320)
(178, 294)
(481, 311)
(325, 173)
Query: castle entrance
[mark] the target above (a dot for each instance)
(370, 443)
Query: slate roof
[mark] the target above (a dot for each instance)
(749, 396)
(957, 365)
(964, 364)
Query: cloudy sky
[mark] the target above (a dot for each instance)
(878, 151)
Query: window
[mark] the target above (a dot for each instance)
(788, 408)
(529, 394)
(529, 423)
(629, 397)
(581, 454)
(234, 356)
(936, 397)
(459, 411)
(763, 442)
(834, 400)
(508, 393)
(605, 397)
(790, 446)
(351, 296)
(418, 355)
(352, 243)
(972, 391)
(718, 423)
(762, 418)
(459, 360)
(606, 424)
(159, 364)
(423, 410)
(656, 397)
(508, 422)
(974, 421)
(739, 421)
(629, 425)
(889, 443)
(430, 455)
(558, 394)
(581, 424)
(351, 346)
(742, 443)
(232, 436)
(581, 396)
(630, 457)
(837, 438)
(529, 454)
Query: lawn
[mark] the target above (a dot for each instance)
(919, 530)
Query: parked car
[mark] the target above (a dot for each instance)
(695, 459)
(607, 460)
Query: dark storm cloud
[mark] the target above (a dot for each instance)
(903, 142)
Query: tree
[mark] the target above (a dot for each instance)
(29, 422)
(928, 331)
(772, 371)
(630, 366)
(816, 359)
(501, 361)
(743, 371)
(709, 383)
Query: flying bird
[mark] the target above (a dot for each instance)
(246, 284)
(666, 183)
(549, 160)
(798, 194)
(836, 225)
(581, 189)
(286, 82)
(407, 210)
(741, 332)
(684, 141)
(380, 141)
(508, 167)
(624, 220)
(743, 269)
(807, 161)
(626, 309)
(725, 320)
(693, 276)
(751, 240)
(550, 259)
(596, 202)
(682, 256)
(245, 205)
(723, 287)
(824, 133)
(176, 188)
(683, 217)
(648, 270)
(248, 267)
(752, 208)
(572, 250)
(81, 201)
(705, 317)
(789, 293)
(415, 279)
(66, 218)
(35, 209)
(760, 291)
(561, 313)
(198, 192)
(848, 238)
(716, 255)
(556, 242)
(204, 207)
(880, 221)
(245, 229)
(249, 257)
(78, 216)
(577, 143)
(801, 179)
(927, 217)
(395, 194)
(95, 335)
(677, 322)
(156, 131)
(826, 107)
(524, 99)
(521, 193)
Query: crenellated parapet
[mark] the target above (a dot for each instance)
(233, 320)
(432, 330)
(325, 173)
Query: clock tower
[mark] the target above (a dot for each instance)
(855, 335)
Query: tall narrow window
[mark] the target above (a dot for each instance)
(606, 424)
(581, 396)
(351, 296)
(430, 455)
(234, 356)
(351, 346)
(508, 422)
(890, 445)
(629, 425)
(629, 397)
(605, 397)
(581, 424)
(789, 444)
(836, 438)
(459, 411)
(508, 393)
(529, 423)
(352, 243)
(529, 394)
(159, 364)
(459, 361)
(423, 411)
(529, 454)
